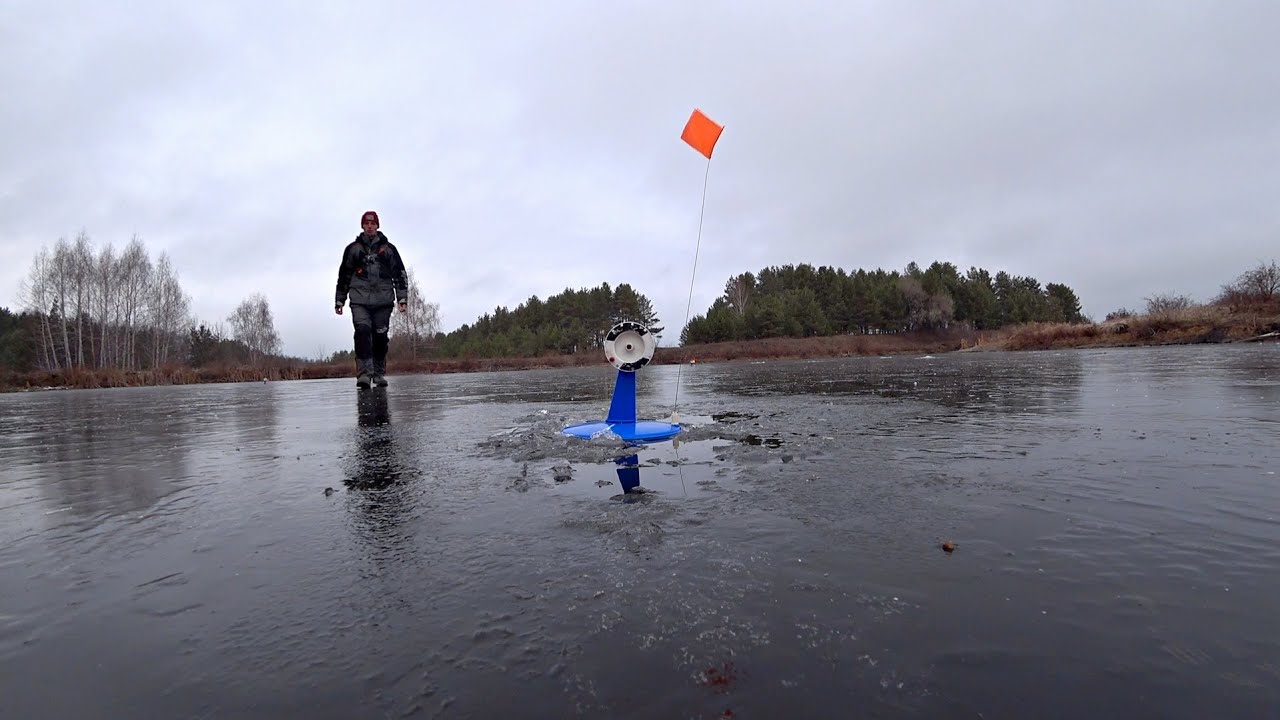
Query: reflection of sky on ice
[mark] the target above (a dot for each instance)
(304, 547)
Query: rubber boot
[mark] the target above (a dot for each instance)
(379, 373)
(365, 368)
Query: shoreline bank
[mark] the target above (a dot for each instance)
(1190, 327)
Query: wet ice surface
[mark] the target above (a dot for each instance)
(437, 549)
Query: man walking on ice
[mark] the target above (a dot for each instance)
(374, 277)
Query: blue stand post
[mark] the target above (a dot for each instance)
(621, 420)
(622, 408)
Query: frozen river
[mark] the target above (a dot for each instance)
(438, 549)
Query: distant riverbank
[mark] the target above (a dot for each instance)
(1197, 325)
(1183, 327)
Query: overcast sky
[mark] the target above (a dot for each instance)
(518, 148)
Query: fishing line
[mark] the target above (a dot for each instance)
(675, 446)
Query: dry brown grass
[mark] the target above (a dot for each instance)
(111, 378)
(1203, 324)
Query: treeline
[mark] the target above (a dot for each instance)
(87, 308)
(804, 301)
(102, 309)
(199, 347)
(570, 322)
(17, 349)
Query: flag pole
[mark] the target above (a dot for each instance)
(701, 133)
(675, 415)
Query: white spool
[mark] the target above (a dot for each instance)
(629, 346)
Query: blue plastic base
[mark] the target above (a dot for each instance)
(621, 420)
(641, 430)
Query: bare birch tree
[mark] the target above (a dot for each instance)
(134, 275)
(253, 325)
(738, 290)
(37, 295)
(94, 309)
(59, 281)
(105, 303)
(80, 276)
(170, 311)
(419, 323)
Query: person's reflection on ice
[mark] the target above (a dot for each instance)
(374, 463)
(381, 497)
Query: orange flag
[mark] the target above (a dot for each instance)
(701, 132)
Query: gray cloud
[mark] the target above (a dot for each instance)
(515, 149)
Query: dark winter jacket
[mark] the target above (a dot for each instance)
(371, 273)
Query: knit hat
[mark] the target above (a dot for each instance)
(370, 215)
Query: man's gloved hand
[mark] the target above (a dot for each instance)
(404, 305)
(337, 309)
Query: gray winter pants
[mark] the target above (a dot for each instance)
(371, 324)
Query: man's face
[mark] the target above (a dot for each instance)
(370, 227)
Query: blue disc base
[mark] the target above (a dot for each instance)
(642, 430)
